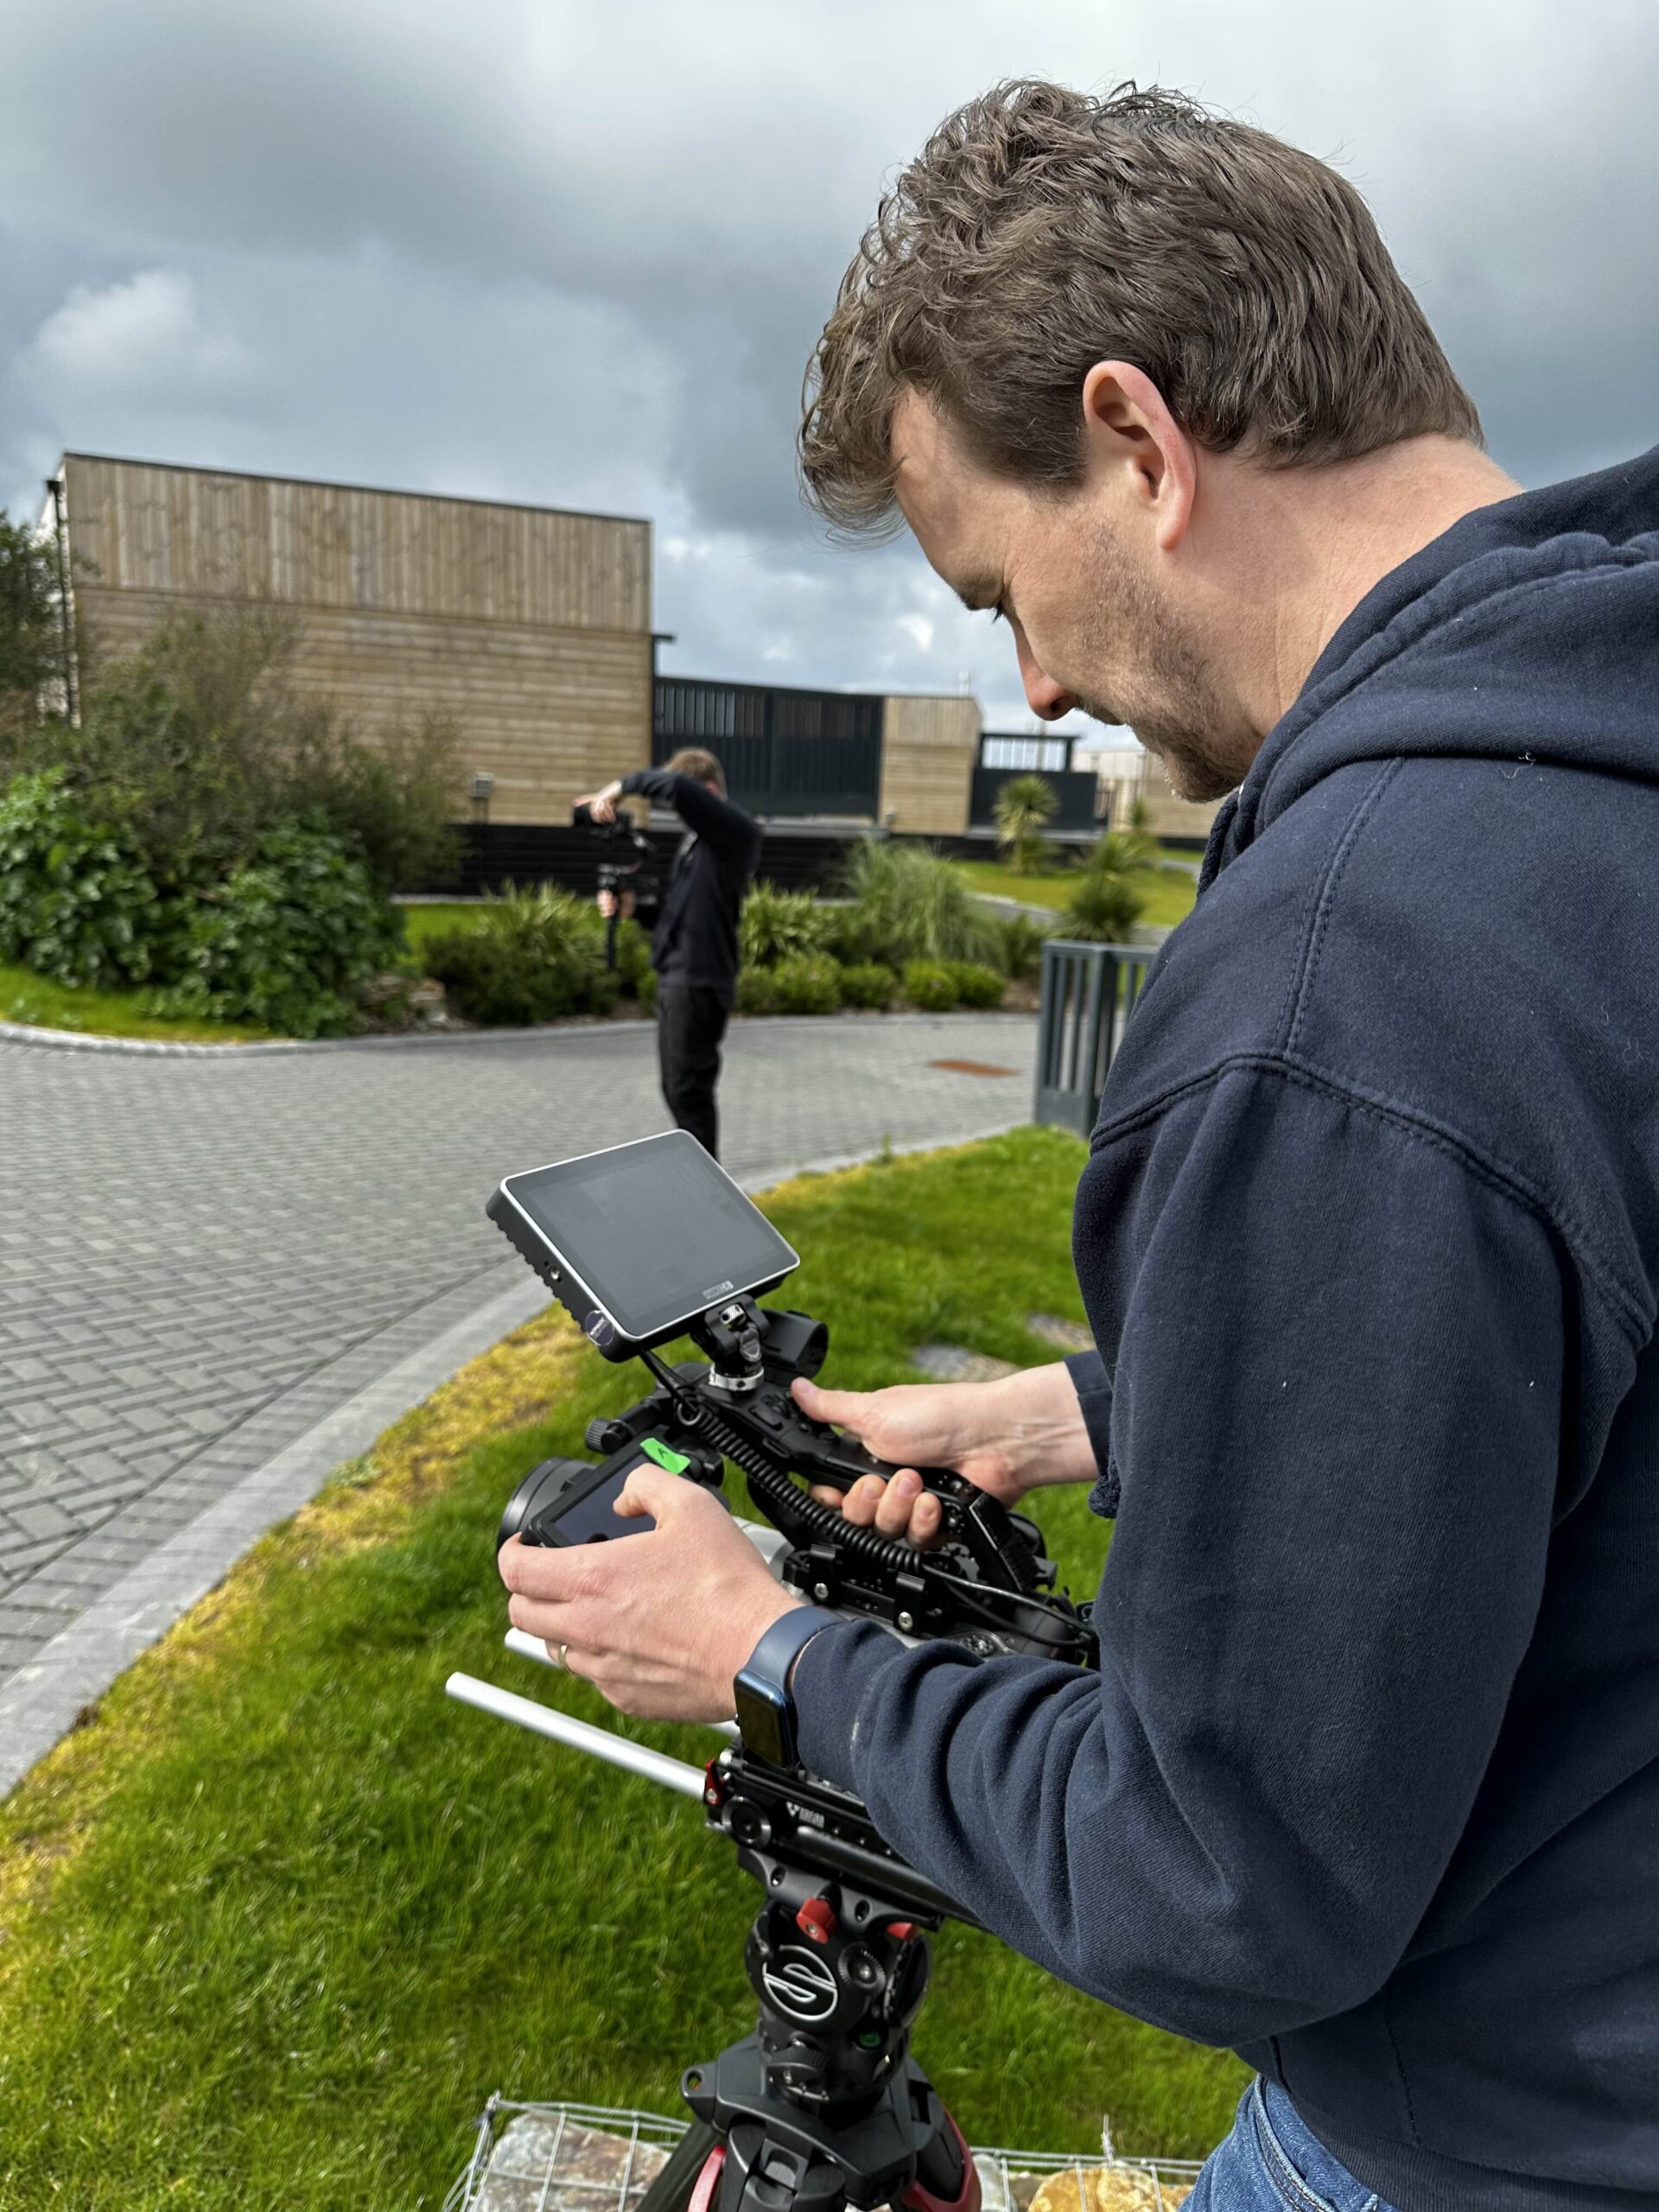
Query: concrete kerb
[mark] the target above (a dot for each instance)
(75, 1040)
(40, 1702)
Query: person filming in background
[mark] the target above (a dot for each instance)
(694, 947)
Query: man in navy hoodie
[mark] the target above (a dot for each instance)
(1368, 1783)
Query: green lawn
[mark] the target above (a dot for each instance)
(1169, 892)
(276, 1917)
(25, 996)
(428, 920)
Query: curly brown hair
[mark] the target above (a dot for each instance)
(1041, 230)
(701, 767)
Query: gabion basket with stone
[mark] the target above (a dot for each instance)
(568, 2158)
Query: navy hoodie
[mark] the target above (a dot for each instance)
(1368, 1783)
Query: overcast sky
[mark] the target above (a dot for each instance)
(578, 254)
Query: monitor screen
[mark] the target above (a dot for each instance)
(656, 1231)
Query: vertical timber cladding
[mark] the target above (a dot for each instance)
(785, 752)
(929, 747)
(529, 626)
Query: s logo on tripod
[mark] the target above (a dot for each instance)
(800, 1984)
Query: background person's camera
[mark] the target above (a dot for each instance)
(625, 868)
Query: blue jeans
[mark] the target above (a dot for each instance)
(1271, 2163)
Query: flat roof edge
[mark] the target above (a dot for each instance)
(332, 484)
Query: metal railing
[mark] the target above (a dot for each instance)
(1089, 993)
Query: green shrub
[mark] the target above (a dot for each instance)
(1024, 808)
(644, 990)
(807, 983)
(634, 973)
(976, 986)
(537, 955)
(781, 925)
(283, 938)
(1023, 938)
(1109, 892)
(76, 902)
(931, 985)
(1103, 910)
(757, 990)
(867, 983)
(197, 744)
(31, 628)
(908, 903)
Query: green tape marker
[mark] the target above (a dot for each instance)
(676, 1462)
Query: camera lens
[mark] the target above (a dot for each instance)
(536, 1489)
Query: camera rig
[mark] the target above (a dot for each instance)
(823, 2106)
(988, 1585)
(625, 864)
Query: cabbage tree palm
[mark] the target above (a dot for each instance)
(1025, 806)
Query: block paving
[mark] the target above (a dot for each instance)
(202, 1254)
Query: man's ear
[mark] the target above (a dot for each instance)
(1134, 445)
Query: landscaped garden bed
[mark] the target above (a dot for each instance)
(277, 1915)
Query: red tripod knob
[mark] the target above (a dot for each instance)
(817, 1920)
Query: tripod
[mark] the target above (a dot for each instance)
(822, 2107)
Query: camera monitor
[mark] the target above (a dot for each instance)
(639, 1240)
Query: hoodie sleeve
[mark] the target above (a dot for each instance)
(1335, 1415)
(725, 829)
(1094, 1388)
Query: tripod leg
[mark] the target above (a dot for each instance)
(691, 2176)
(947, 2179)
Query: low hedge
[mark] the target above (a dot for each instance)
(533, 955)
(867, 983)
(280, 935)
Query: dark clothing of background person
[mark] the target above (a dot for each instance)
(1368, 1783)
(690, 1022)
(694, 947)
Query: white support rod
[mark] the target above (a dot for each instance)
(578, 1735)
(520, 1640)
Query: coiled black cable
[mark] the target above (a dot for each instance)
(782, 1490)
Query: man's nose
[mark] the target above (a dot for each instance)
(1046, 698)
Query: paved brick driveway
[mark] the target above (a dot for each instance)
(201, 1255)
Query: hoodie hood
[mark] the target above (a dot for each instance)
(1528, 631)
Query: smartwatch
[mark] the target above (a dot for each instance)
(765, 1703)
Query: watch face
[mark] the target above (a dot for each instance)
(763, 1719)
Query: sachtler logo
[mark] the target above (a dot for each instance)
(800, 1984)
(715, 1289)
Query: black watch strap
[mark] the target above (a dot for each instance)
(761, 1695)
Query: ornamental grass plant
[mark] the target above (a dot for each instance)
(906, 903)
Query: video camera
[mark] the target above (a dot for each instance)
(629, 1240)
(625, 864)
(823, 2106)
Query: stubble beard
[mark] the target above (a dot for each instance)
(1169, 694)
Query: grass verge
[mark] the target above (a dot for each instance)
(430, 918)
(277, 1915)
(25, 996)
(1169, 892)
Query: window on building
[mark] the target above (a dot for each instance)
(1049, 755)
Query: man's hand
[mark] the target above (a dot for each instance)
(606, 902)
(660, 1623)
(1008, 1437)
(601, 805)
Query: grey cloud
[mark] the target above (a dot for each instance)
(533, 249)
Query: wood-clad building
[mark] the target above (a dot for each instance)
(929, 749)
(531, 626)
(1128, 778)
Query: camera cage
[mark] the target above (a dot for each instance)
(822, 2107)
